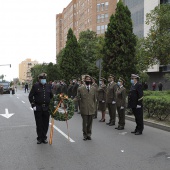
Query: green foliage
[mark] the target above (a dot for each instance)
(89, 44)
(71, 64)
(119, 50)
(156, 44)
(157, 104)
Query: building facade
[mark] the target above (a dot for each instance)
(25, 70)
(81, 15)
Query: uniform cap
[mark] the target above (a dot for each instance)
(111, 76)
(94, 78)
(42, 76)
(134, 76)
(121, 79)
(102, 79)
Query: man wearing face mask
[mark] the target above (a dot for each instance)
(135, 99)
(111, 100)
(87, 96)
(39, 97)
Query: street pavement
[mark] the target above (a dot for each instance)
(109, 148)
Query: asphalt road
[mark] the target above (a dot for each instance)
(109, 148)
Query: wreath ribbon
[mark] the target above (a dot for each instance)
(52, 120)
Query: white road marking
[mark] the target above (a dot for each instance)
(17, 97)
(23, 102)
(31, 108)
(7, 114)
(122, 150)
(168, 157)
(56, 128)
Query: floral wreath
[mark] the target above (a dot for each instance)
(67, 110)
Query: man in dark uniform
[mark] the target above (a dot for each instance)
(39, 97)
(69, 89)
(63, 87)
(94, 84)
(111, 100)
(135, 99)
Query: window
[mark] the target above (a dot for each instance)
(102, 29)
(102, 17)
(106, 17)
(98, 7)
(105, 27)
(106, 5)
(98, 18)
(102, 6)
(98, 29)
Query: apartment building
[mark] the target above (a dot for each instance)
(25, 70)
(81, 15)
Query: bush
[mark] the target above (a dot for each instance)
(157, 107)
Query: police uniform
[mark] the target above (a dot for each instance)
(135, 99)
(39, 97)
(121, 104)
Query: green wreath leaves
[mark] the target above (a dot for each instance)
(68, 104)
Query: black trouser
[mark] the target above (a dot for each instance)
(42, 124)
(138, 113)
(87, 125)
(121, 116)
(112, 112)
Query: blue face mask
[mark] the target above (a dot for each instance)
(118, 83)
(43, 81)
(132, 81)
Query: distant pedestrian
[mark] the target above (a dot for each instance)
(160, 86)
(1, 89)
(26, 87)
(153, 86)
(145, 86)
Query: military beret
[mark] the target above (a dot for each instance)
(121, 79)
(42, 76)
(111, 76)
(134, 76)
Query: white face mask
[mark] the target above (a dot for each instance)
(43, 81)
(100, 82)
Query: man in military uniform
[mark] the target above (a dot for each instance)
(111, 100)
(94, 84)
(63, 87)
(135, 99)
(69, 89)
(87, 96)
(39, 97)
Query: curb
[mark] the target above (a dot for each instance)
(151, 124)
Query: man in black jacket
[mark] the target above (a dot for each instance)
(39, 97)
(135, 99)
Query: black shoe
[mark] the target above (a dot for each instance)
(116, 127)
(39, 141)
(88, 138)
(133, 131)
(102, 120)
(111, 124)
(45, 141)
(85, 138)
(120, 128)
(138, 133)
(108, 123)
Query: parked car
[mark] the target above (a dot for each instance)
(6, 87)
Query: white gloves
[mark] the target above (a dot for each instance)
(113, 102)
(121, 107)
(103, 101)
(138, 106)
(34, 108)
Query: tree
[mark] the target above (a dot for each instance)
(71, 60)
(119, 49)
(88, 41)
(157, 41)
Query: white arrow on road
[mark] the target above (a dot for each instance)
(7, 114)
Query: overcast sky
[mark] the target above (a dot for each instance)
(27, 30)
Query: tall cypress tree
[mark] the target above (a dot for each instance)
(119, 49)
(71, 62)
